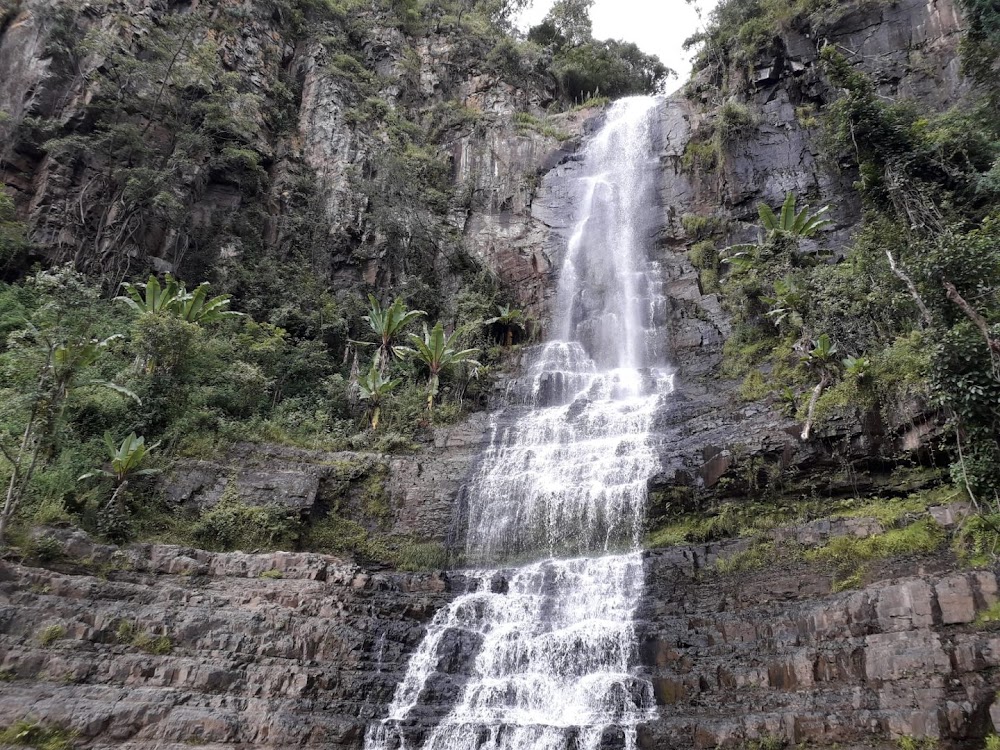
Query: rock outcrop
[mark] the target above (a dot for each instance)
(417, 490)
(158, 646)
(169, 647)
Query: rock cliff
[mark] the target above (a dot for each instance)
(169, 647)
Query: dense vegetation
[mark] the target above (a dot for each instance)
(903, 325)
(98, 394)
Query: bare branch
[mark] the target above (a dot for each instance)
(972, 315)
(901, 275)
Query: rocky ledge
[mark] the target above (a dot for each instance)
(167, 646)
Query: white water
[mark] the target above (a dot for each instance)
(564, 479)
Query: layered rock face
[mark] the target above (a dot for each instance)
(280, 650)
(301, 650)
(777, 654)
(309, 658)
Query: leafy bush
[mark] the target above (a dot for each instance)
(417, 556)
(51, 634)
(232, 525)
(30, 733)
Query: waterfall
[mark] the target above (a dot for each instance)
(549, 647)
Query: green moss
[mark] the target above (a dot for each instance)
(159, 645)
(849, 555)
(767, 742)
(700, 227)
(527, 121)
(977, 541)
(745, 349)
(916, 743)
(29, 733)
(989, 615)
(734, 120)
(232, 525)
(272, 574)
(700, 156)
(416, 556)
(758, 555)
(889, 511)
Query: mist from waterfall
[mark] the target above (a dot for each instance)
(563, 482)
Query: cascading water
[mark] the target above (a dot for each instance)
(564, 479)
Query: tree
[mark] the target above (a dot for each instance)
(125, 460)
(801, 224)
(12, 241)
(173, 298)
(822, 361)
(154, 298)
(438, 353)
(64, 367)
(571, 20)
(196, 307)
(388, 325)
(373, 388)
(509, 320)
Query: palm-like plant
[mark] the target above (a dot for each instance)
(388, 323)
(152, 297)
(125, 459)
(439, 353)
(71, 358)
(196, 307)
(822, 360)
(787, 303)
(801, 224)
(173, 298)
(373, 388)
(510, 320)
(856, 367)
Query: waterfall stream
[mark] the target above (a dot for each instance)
(553, 662)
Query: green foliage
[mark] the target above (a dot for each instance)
(50, 634)
(988, 615)
(29, 733)
(12, 233)
(527, 121)
(733, 121)
(588, 69)
(388, 325)
(172, 298)
(416, 556)
(848, 555)
(129, 633)
(977, 541)
(125, 458)
(906, 742)
(232, 525)
(373, 389)
(801, 224)
(767, 742)
(439, 353)
(758, 555)
(273, 574)
(741, 33)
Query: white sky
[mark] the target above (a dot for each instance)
(658, 27)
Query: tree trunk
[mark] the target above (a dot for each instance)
(974, 316)
(901, 275)
(811, 412)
